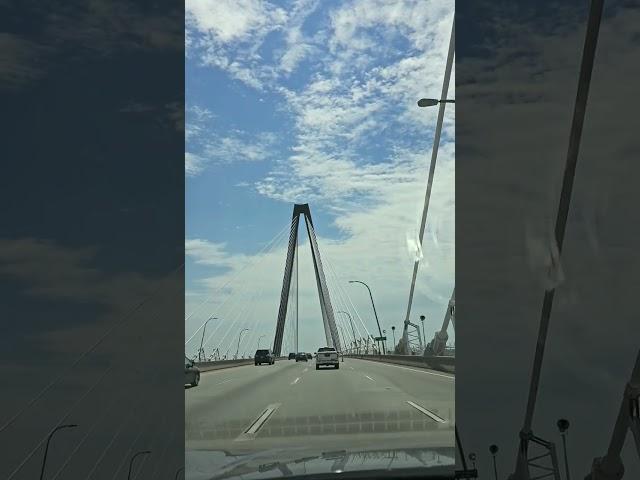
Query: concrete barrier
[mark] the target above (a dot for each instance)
(442, 364)
(220, 364)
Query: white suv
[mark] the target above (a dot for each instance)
(327, 356)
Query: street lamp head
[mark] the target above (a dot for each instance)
(68, 425)
(493, 449)
(563, 425)
(393, 328)
(427, 102)
(422, 317)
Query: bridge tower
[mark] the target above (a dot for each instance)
(330, 329)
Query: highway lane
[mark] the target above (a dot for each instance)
(255, 408)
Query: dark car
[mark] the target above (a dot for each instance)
(292, 356)
(264, 356)
(309, 356)
(301, 357)
(191, 372)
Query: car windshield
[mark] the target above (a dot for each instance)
(306, 167)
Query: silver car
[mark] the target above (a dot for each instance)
(192, 373)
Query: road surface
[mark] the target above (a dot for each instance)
(255, 408)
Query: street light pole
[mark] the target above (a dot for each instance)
(46, 449)
(432, 166)
(342, 330)
(424, 336)
(260, 338)
(144, 452)
(239, 337)
(393, 332)
(353, 330)
(203, 330)
(374, 309)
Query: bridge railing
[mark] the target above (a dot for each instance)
(219, 364)
(443, 364)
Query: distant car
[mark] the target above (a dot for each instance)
(309, 356)
(327, 356)
(264, 356)
(192, 373)
(292, 356)
(301, 357)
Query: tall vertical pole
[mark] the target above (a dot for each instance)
(584, 81)
(297, 285)
(432, 167)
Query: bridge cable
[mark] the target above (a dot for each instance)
(64, 417)
(243, 305)
(259, 257)
(269, 243)
(348, 297)
(93, 347)
(101, 417)
(124, 422)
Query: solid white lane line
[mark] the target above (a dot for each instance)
(351, 368)
(429, 414)
(369, 378)
(451, 377)
(295, 381)
(251, 432)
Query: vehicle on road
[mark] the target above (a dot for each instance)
(264, 356)
(292, 356)
(309, 356)
(192, 373)
(301, 357)
(327, 356)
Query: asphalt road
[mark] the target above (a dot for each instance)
(255, 408)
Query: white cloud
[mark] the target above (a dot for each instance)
(193, 164)
(208, 253)
(240, 146)
(233, 20)
(229, 34)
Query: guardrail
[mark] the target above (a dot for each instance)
(220, 364)
(443, 364)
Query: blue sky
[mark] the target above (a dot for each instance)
(314, 102)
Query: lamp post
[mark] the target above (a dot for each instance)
(46, 449)
(432, 102)
(239, 337)
(343, 336)
(203, 330)
(393, 332)
(260, 338)
(374, 309)
(493, 449)
(353, 330)
(563, 426)
(424, 336)
(143, 452)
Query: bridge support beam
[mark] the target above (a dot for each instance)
(330, 329)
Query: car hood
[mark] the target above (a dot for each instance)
(305, 462)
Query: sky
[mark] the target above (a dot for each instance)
(314, 102)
